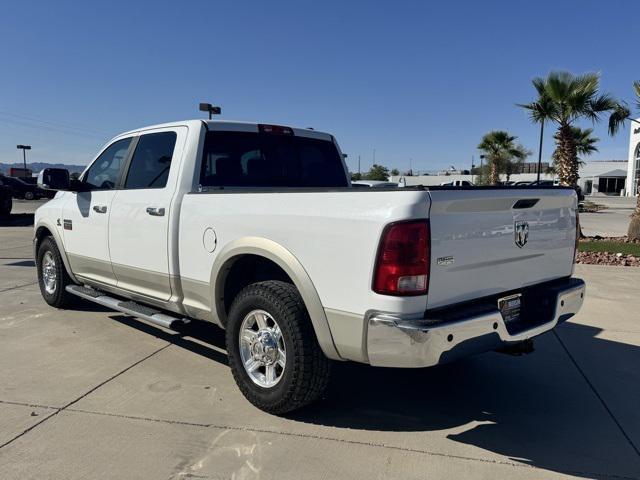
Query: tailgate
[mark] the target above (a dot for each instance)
(488, 241)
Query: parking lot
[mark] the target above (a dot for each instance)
(91, 393)
(613, 221)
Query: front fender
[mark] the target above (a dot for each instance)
(51, 227)
(289, 263)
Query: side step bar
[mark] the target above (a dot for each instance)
(126, 306)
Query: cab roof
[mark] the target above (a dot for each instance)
(233, 126)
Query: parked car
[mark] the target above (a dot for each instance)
(374, 184)
(544, 183)
(458, 183)
(22, 189)
(552, 183)
(6, 200)
(258, 229)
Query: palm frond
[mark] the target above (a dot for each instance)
(618, 117)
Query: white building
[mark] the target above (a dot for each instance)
(606, 177)
(633, 168)
(597, 178)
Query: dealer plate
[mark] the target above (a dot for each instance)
(510, 307)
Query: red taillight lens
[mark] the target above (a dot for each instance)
(402, 267)
(274, 129)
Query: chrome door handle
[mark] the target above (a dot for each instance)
(156, 211)
(100, 208)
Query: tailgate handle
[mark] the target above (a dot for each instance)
(525, 203)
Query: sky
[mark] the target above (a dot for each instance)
(411, 80)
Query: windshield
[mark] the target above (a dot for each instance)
(245, 159)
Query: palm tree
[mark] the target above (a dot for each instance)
(584, 141)
(564, 98)
(499, 149)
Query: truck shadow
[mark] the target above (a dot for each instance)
(536, 409)
(17, 220)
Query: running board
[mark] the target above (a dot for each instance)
(126, 306)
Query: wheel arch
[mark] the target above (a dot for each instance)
(287, 263)
(44, 229)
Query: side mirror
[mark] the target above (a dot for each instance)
(54, 179)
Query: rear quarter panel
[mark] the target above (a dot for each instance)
(334, 235)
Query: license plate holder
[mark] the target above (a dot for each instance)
(510, 307)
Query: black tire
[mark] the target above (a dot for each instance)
(307, 369)
(6, 205)
(29, 196)
(59, 297)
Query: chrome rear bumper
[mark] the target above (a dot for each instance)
(394, 341)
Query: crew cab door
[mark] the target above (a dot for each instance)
(86, 215)
(141, 213)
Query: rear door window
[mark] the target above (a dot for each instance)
(151, 161)
(245, 159)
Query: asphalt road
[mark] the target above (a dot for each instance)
(93, 394)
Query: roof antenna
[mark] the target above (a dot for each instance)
(212, 109)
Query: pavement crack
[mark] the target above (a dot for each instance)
(575, 326)
(17, 246)
(73, 402)
(18, 286)
(136, 417)
(24, 404)
(597, 394)
(604, 476)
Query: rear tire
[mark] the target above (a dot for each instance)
(52, 275)
(304, 373)
(29, 196)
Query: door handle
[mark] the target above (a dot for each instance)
(156, 211)
(100, 208)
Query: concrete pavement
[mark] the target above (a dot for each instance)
(90, 393)
(611, 222)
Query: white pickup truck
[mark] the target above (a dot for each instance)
(257, 229)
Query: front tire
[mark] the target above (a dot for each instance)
(273, 352)
(29, 196)
(52, 275)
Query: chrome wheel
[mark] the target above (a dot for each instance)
(262, 348)
(49, 273)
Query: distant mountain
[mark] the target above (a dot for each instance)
(38, 166)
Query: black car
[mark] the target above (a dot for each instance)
(22, 189)
(551, 183)
(6, 202)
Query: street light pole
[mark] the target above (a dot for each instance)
(211, 109)
(24, 149)
(540, 149)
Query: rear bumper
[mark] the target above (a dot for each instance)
(394, 341)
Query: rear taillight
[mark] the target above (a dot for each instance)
(275, 129)
(402, 266)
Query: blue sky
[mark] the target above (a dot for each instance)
(420, 80)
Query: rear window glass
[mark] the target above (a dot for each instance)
(245, 159)
(151, 161)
